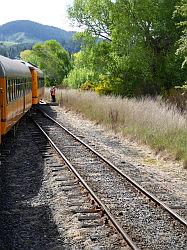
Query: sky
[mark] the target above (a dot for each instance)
(49, 12)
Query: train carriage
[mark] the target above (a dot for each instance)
(37, 83)
(21, 86)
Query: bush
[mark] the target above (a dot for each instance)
(178, 97)
(77, 77)
(104, 87)
(88, 85)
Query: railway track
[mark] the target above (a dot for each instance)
(42, 204)
(143, 221)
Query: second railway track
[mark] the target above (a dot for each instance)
(147, 225)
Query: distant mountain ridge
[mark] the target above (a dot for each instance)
(32, 31)
(29, 32)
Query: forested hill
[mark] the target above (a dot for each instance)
(24, 33)
(28, 31)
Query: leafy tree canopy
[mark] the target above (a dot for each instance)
(144, 38)
(138, 46)
(94, 15)
(52, 58)
(182, 50)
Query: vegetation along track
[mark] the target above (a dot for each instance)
(149, 223)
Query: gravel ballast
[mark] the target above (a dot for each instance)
(44, 214)
(171, 174)
(158, 172)
(129, 159)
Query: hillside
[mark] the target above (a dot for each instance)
(25, 33)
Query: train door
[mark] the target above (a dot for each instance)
(34, 86)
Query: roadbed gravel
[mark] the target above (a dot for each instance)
(125, 153)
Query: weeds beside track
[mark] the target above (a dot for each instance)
(152, 122)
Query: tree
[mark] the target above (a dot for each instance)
(182, 50)
(90, 62)
(144, 39)
(52, 58)
(139, 42)
(94, 15)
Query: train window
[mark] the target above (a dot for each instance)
(25, 84)
(14, 89)
(8, 90)
(41, 82)
(15, 82)
(22, 87)
(11, 86)
(18, 88)
(28, 85)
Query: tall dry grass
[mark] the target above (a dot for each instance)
(154, 122)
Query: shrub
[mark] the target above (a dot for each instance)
(88, 85)
(77, 77)
(104, 87)
(178, 97)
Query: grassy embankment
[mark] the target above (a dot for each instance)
(152, 122)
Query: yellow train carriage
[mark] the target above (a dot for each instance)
(37, 83)
(15, 92)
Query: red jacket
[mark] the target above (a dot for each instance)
(53, 91)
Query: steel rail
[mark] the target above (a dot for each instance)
(95, 197)
(134, 183)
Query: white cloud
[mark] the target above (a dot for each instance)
(46, 12)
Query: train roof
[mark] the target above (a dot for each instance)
(32, 66)
(13, 68)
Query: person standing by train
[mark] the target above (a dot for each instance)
(53, 97)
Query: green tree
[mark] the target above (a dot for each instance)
(81, 71)
(52, 58)
(139, 42)
(90, 62)
(182, 50)
(144, 39)
(28, 56)
(94, 15)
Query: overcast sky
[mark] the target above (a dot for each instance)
(49, 12)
